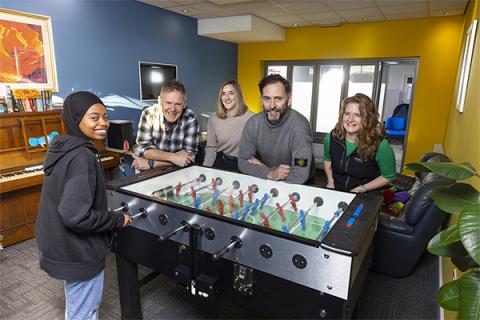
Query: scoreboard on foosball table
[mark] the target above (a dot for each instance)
(276, 249)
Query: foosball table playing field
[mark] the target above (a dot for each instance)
(276, 249)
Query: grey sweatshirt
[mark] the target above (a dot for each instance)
(223, 135)
(289, 142)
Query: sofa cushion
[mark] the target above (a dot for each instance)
(396, 224)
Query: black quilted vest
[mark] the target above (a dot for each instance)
(350, 172)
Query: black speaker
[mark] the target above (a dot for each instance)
(120, 134)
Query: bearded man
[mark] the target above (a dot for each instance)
(276, 144)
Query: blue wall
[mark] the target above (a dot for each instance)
(98, 45)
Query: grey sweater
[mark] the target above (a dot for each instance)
(288, 142)
(223, 135)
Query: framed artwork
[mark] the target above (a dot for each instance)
(27, 56)
(466, 63)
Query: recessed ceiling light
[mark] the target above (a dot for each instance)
(295, 24)
(185, 11)
(446, 13)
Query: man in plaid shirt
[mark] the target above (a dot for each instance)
(167, 131)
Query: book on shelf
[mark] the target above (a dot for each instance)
(30, 100)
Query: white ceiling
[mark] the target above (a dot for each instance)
(300, 13)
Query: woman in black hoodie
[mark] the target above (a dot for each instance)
(74, 227)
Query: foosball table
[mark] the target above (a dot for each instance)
(276, 249)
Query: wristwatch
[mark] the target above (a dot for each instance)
(151, 163)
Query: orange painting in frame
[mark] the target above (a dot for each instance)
(27, 56)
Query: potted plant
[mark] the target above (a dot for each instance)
(461, 241)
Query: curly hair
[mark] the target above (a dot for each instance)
(240, 106)
(370, 134)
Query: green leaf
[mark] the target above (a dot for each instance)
(461, 258)
(442, 244)
(469, 230)
(448, 295)
(456, 171)
(454, 198)
(469, 296)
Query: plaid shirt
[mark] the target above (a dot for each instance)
(155, 133)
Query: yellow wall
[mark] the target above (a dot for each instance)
(435, 40)
(462, 139)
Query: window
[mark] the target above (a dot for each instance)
(319, 86)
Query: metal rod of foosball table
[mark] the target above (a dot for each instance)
(295, 196)
(142, 213)
(123, 207)
(317, 202)
(235, 242)
(168, 190)
(214, 197)
(169, 234)
(218, 181)
(342, 206)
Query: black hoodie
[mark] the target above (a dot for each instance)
(73, 228)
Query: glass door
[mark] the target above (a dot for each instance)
(302, 89)
(330, 87)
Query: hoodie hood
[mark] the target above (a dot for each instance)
(60, 147)
(74, 108)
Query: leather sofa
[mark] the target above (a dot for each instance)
(401, 241)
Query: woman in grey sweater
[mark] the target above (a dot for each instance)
(225, 127)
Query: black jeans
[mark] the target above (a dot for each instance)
(222, 161)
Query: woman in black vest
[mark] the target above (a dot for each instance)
(356, 156)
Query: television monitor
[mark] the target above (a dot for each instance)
(152, 76)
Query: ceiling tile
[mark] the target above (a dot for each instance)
(320, 16)
(349, 4)
(370, 19)
(359, 13)
(191, 11)
(386, 3)
(269, 12)
(450, 13)
(301, 7)
(402, 16)
(188, 2)
(409, 8)
(446, 5)
(223, 2)
(287, 19)
(160, 3)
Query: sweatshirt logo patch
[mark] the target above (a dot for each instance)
(301, 162)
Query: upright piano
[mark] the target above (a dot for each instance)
(21, 170)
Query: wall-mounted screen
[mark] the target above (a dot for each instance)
(152, 76)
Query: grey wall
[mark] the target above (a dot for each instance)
(98, 45)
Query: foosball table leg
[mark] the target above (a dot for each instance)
(129, 288)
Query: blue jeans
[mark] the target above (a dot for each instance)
(82, 298)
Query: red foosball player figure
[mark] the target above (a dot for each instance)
(250, 194)
(177, 188)
(220, 207)
(266, 224)
(280, 212)
(194, 194)
(240, 198)
(231, 202)
(293, 203)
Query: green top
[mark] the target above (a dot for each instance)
(385, 157)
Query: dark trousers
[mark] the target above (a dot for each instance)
(222, 161)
